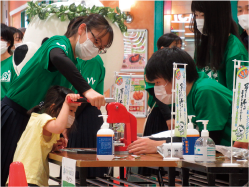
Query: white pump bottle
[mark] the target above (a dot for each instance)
(204, 146)
(105, 147)
(188, 143)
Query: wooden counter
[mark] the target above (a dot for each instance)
(90, 160)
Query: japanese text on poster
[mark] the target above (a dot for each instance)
(240, 120)
(180, 103)
(130, 91)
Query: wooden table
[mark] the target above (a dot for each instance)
(235, 172)
(83, 161)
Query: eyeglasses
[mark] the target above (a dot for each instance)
(101, 51)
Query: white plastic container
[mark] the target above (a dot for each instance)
(188, 143)
(204, 146)
(165, 149)
(105, 147)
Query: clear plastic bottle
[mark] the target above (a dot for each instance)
(204, 146)
(188, 143)
(105, 147)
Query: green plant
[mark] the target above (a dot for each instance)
(72, 11)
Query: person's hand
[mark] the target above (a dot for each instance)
(73, 97)
(61, 144)
(64, 133)
(168, 122)
(95, 98)
(243, 145)
(144, 145)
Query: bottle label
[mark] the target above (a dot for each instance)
(105, 145)
(188, 145)
(204, 154)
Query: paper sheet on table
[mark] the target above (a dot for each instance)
(164, 134)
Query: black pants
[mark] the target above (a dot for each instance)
(13, 122)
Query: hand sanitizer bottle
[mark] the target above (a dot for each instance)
(105, 147)
(204, 146)
(188, 143)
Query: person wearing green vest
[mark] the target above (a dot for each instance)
(87, 120)
(159, 118)
(206, 98)
(217, 41)
(7, 71)
(56, 58)
(243, 17)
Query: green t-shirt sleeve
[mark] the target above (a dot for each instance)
(213, 106)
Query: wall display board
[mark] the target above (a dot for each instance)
(130, 91)
(135, 50)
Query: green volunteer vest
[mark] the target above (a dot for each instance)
(8, 74)
(31, 86)
(234, 50)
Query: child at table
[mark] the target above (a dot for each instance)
(42, 132)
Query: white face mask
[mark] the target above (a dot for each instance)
(18, 44)
(200, 25)
(162, 95)
(244, 21)
(4, 47)
(86, 50)
(70, 121)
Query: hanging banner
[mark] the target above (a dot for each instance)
(135, 50)
(240, 119)
(129, 90)
(68, 172)
(181, 119)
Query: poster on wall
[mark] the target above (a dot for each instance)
(135, 50)
(129, 90)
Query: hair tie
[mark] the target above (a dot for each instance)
(41, 104)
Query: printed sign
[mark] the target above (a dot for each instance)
(130, 91)
(135, 50)
(180, 103)
(68, 172)
(122, 90)
(240, 119)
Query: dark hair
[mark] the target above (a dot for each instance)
(15, 30)
(160, 65)
(55, 95)
(218, 24)
(7, 36)
(93, 21)
(167, 39)
(2, 25)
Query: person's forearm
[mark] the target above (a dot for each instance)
(67, 68)
(57, 126)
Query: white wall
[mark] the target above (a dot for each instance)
(5, 10)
